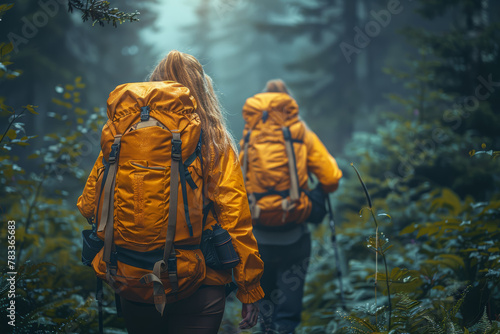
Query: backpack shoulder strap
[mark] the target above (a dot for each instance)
(106, 220)
(190, 160)
(206, 210)
(292, 166)
(108, 187)
(245, 155)
(174, 192)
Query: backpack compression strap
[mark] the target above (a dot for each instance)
(106, 221)
(168, 263)
(294, 178)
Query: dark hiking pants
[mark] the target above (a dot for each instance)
(201, 313)
(285, 269)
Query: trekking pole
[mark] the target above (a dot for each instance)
(337, 257)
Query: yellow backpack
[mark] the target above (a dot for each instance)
(274, 160)
(151, 149)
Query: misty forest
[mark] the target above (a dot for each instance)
(404, 94)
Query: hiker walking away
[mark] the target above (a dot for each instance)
(168, 199)
(278, 151)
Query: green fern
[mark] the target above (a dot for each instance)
(359, 325)
(409, 315)
(484, 326)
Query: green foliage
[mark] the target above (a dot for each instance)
(53, 289)
(47, 222)
(444, 258)
(40, 307)
(5, 71)
(48, 297)
(472, 254)
(435, 286)
(100, 12)
(3, 9)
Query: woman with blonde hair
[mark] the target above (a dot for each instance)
(194, 102)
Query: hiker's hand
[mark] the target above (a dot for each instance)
(250, 314)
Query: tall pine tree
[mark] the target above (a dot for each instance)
(328, 86)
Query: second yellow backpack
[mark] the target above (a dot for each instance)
(274, 160)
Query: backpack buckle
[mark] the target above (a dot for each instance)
(172, 264)
(145, 114)
(176, 149)
(114, 259)
(115, 149)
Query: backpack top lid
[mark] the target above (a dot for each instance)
(160, 96)
(281, 109)
(169, 102)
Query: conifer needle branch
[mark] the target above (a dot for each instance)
(100, 11)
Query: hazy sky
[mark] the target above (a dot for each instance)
(173, 15)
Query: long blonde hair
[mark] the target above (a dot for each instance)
(187, 70)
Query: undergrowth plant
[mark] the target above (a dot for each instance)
(379, 244)
(455, 288)
(445, 276)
